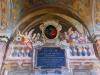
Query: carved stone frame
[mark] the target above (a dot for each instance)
(53, 23)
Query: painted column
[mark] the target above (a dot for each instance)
(2, 51)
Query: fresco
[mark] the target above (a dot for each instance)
(16, 9)
(97, 17)
(98, 11)
(3, 15)
(81, 7)
(23, 49)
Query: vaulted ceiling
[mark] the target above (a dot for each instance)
(83, 9)
(13, 11)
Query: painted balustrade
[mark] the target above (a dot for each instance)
(82, 51)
